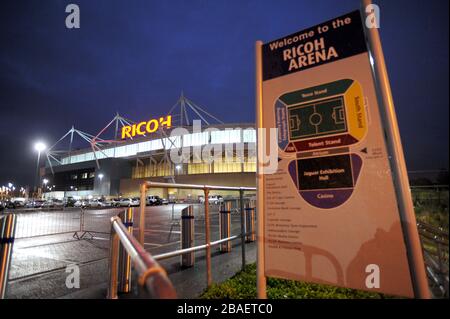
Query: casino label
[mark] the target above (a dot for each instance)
(328, 181)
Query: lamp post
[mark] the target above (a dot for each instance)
(39, 147)
(100, 177)
(45, 182)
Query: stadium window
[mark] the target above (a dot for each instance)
(222, 166)
(250, 164)
(199, 168)
(249, 136)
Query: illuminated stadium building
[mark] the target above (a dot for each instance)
(142, 151)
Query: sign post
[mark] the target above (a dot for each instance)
(336, 210)
(398, 163)
(260, 276)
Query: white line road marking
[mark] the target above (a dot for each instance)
(100, 238)
(169, 244)
(162, 231)
(151, 244)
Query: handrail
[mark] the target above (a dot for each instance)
(436, 255)
(151, 274)
(193, 249)
(433, 229)
(7, 235)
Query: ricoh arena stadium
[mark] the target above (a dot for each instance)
(141, 151)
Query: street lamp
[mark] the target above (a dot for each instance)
(100, 177)
(45, 182)
(39, 147)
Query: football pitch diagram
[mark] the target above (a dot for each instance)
(324, 116)
(318, 118)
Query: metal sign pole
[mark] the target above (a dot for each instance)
(260, 277)
(7, 235)
(142, 214)
(397, 161)
(241, 198)
(207, 239)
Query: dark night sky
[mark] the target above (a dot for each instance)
(136, 56)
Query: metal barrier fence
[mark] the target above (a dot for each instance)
(39, 238)
(436, 254)
(79, 222)
(208, 244)
(430, 197)
(235, 206)
(151, 276)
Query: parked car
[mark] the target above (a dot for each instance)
(80, 203)
(29, 204)
(96, 203)
(127, 202)
(48, 204)
(114, 202)
(135, 201)
(153, 200)
(213, 199)
(172, 199)
(53, 203)
(37, 203)
(164, 201)
(105, 203)
(69, 202)
(14, 203)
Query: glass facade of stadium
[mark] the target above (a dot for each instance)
(125, 164)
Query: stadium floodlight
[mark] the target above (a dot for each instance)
(39, 146)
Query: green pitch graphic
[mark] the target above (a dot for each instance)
(316, 119)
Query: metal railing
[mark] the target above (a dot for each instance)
(152, 276)
(435, 247)
(7, 230)
(206, 188)
(180, 252)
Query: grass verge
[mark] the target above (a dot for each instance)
(243, 286)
